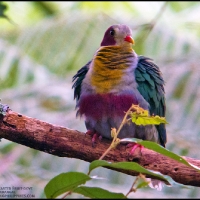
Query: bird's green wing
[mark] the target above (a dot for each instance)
(151, 86)
(78, 78)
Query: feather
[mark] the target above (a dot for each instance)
(152, 90)
(78, 78)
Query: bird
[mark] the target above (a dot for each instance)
(114, 79)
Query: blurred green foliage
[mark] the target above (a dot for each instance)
(47, 42)
(2, 9)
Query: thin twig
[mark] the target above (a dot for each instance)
(115, 141)
(66, 194)
(132, 186)
(106, 152)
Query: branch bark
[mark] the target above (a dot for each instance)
(64, 142)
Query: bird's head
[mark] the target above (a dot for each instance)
(117, 35)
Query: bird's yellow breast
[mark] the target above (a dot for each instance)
(109, 65)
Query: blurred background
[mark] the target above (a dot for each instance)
(43, 44)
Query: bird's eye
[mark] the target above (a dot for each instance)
(112, 32)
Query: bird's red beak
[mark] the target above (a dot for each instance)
(129, 39)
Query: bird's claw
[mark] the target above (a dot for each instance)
(134, 147)
(95, 136)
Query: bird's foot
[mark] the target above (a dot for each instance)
(95, 136)
(134, 147)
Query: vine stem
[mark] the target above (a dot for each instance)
(115, 140)
(66, 194)
(105, 153)
(132, 189)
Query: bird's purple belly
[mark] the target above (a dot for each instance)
(97, 106)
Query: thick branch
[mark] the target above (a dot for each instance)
(64, 142)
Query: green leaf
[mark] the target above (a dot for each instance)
(158, 148)
(141, 120)
(142, 184)
(98, 193)
(130, 166)
(64, 182)
(141, 117)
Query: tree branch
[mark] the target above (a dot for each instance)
(64, 142)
